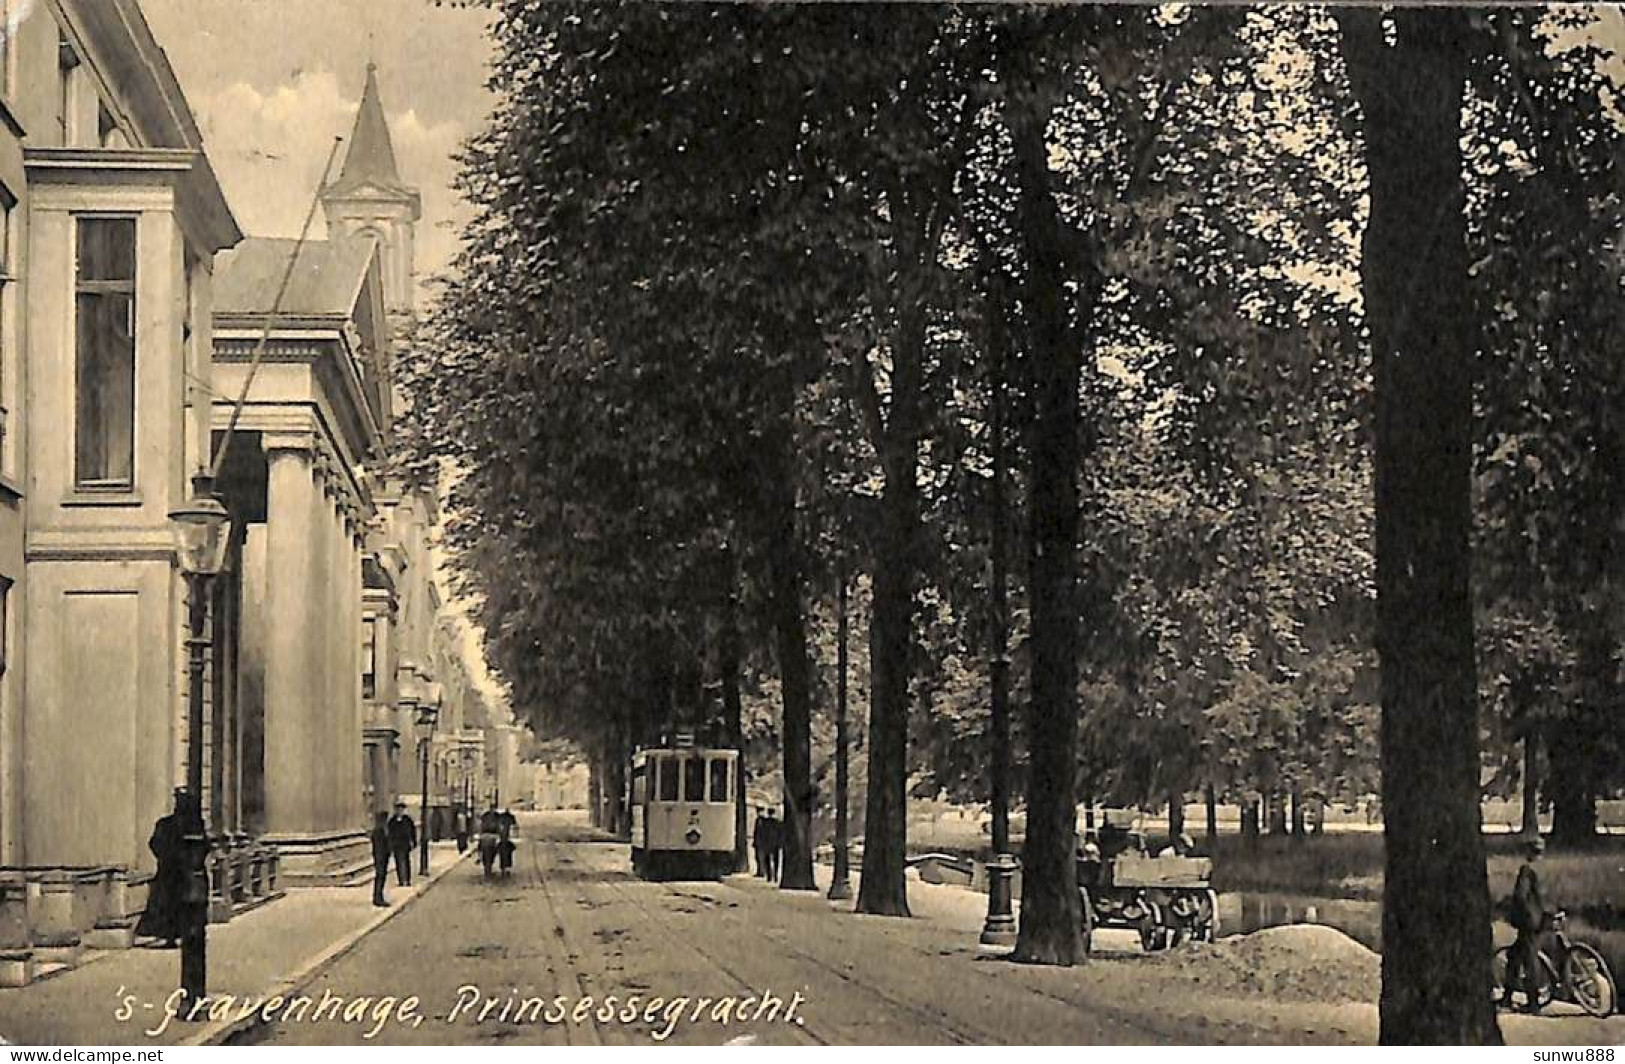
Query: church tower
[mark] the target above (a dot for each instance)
(369, 201)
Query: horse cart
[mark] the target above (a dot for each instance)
(1167, 899)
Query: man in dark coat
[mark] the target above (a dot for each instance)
(380, 856)
(490, 838)
(1529, 918)
(403, 839)
(775, 845)
(758, 842)
(164, 917)
(460, 827)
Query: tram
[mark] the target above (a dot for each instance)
(682, 802)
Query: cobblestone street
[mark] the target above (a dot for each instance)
(573, 922)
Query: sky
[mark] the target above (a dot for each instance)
(273, 82)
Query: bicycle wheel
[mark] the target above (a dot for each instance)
(1589, 981)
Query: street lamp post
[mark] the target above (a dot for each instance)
(1000, 927)
(468, 782)
(428, 711)
(201, 529)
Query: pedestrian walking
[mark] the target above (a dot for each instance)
(775, 846)
(509, 824)
(461, 825)
(164, 918)
(380, 856)
(403, 839)
(490, 838)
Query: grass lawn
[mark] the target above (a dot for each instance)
(1588, 883)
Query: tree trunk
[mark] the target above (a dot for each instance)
(1531, 782)
(1419, 311)
(1297, 812)
(785, 600)
(1212, 816)
(595, 789)
(1249, 819)
(1275, 812)
(882, 888)
(839, 888)
(616, 821)
(1574, 804)
(1049, 931)
(1176, 814)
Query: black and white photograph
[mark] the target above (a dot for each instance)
(811, 523)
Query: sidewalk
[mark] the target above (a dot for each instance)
(118, 997)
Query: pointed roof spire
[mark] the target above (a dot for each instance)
(370, 159)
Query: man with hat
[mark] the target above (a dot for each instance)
(760, 831)
(403, 839)
(1530, 919)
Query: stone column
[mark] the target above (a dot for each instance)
(332, 750)
(349, 680)
(292, 699)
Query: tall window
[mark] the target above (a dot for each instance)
(693, 779)
(369, 658)
(8, 213)
(104, 439)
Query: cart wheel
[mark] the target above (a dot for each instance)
(1586, 975)
(1086, 916)
(1152, 933)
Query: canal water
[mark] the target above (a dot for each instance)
(1242, 913)
(1245, 912)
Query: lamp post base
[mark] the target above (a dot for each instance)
(1000, 926)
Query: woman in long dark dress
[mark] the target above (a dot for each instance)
(166, 893)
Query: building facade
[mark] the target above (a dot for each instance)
(132, 309)
(110, 219)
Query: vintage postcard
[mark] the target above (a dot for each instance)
(777, 524)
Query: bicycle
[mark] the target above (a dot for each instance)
(1579, 974)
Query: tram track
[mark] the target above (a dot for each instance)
(935, 1019)
(618, 884)
(567, 954)
(992, 977)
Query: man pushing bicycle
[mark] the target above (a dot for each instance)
(1530, 919)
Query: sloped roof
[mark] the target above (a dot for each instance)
(327, 278)
(370, 158)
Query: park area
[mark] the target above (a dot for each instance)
(1068, 405)
(1332, 879)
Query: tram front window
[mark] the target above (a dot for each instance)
(719, 779)
(693, 779)
(668, 780)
